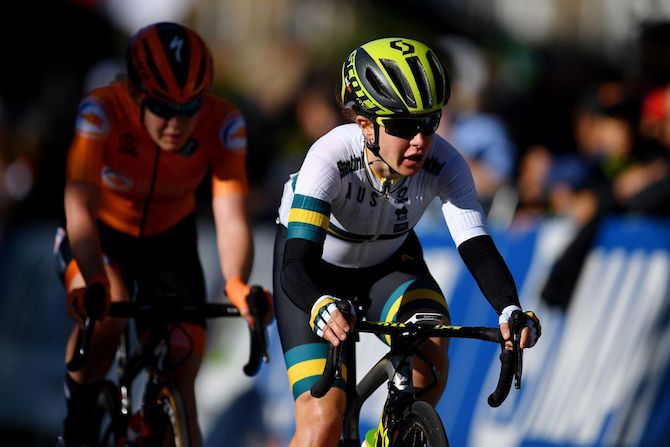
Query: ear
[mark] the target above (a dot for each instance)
(366, 126)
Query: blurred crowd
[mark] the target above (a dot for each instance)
(546, 131)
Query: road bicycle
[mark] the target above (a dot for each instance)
(406, 421)
(162, 419)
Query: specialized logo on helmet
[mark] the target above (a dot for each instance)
(176, 44)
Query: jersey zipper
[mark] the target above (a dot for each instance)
(152, 187)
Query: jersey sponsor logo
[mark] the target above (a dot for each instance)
(92, 121)
(233, 133)
(116, 180)
(402, 195)
(128, 144)
(400, 227)
(433, 166)
(401, 214)
(352, 165)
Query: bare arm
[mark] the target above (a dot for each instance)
(235, 247)
(81, 209)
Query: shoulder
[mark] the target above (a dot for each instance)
(340, 143)
(443, 157)
(101, 109)
(222, 120)
(93, 114)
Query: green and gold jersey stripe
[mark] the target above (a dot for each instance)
(308, 218)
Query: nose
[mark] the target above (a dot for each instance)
(418, 139)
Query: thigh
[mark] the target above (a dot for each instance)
(70, 274)
(304, 352)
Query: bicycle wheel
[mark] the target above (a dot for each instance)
(173, 422)
(108, 416)
(421, 427)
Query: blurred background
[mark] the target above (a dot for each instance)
(562, 109)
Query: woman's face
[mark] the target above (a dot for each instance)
(405, 155)
(169, 134)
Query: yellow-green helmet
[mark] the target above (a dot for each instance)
(394, 76)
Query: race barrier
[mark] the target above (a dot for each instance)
(600, 374)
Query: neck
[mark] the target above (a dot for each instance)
(380, 168)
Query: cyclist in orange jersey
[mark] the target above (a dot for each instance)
(141, 148)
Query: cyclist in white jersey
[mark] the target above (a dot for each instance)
(345, 228)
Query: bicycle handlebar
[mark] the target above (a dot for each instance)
(258, 307)
(511, 361)
(178, 313)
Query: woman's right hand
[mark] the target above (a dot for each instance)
(92, 300)
(332, 318)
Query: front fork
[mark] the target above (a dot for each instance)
(400, 394)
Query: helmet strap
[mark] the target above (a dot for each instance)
(374, 148)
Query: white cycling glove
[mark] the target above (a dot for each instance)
(532, 322)
(322, 310)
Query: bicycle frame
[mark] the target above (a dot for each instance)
(152, 356)
(396, 367)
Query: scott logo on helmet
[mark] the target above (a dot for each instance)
(405, 47)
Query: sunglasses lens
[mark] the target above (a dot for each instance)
(401, 128)
(166, 110)
(160, 109)
(190, 108)
(407, 128)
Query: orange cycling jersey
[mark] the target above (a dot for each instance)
(145, 190)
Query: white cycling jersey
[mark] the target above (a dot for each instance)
(337, 201)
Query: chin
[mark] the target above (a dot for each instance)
(171, 147)
(409, 171)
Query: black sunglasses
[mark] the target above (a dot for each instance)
(407, 128)
(167, 110)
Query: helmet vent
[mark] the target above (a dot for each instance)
(152, 66)
(421, 78)
(377, 84)
(400, 81)
(438, 74)
(202, 70)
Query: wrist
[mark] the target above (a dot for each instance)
(507, 313)
(237, 291)
(98, 279)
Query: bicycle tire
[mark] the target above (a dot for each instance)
(108, 416)
(174, 420)
(421, 426)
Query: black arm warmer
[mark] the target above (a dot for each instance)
(488, 268)
(302, 259)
